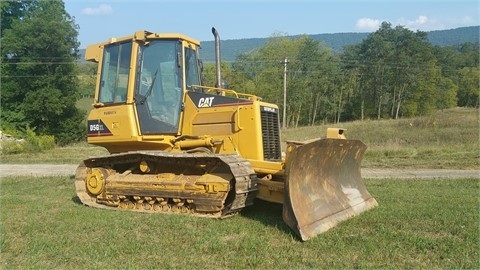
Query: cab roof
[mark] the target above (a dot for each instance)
(92, 51)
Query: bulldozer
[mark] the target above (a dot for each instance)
(177, 146)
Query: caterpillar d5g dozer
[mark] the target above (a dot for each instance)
(178, 146)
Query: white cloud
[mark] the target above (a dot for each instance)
(367, 24)
(103, 9)
(421, 23)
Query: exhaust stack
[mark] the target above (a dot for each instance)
(217, 57)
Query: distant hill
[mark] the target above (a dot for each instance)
(231, 48)
(454, 36)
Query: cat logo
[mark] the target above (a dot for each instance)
(205, 102)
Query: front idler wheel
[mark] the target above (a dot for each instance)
(95, 180)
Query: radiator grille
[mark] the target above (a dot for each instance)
(270, 134)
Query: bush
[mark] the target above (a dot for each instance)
(30, 144)
(13, 147)
(35, 143)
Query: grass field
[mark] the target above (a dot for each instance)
(448, 139)
(427, 224)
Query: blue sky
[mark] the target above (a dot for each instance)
(236, 19)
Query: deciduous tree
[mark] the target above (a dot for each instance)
(39, 82)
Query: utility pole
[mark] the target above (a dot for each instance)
(284, 92)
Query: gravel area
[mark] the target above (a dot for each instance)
(37, 169)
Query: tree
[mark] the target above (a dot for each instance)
(352, 75)
(399, 74)
(314, 92)
(315, 80)
(12, 10)
(374, 54)
(39, 82)
(210, 74)
(468, 88)
(260, 72)
(460, 65)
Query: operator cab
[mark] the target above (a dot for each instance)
(163, 67)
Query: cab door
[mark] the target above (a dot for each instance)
(158, 91)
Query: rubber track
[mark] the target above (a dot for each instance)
(245, 183)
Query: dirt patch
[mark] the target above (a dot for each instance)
(37, 169)
(419, 173)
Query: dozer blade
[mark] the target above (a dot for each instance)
(324, 186)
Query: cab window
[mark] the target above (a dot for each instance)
(115, 69)
(191, 68)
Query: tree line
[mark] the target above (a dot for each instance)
(393, 73)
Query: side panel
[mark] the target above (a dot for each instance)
(226, 118)
(113, 123)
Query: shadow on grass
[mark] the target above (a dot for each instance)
(270, 214)
(77, 200)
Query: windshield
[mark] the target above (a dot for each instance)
(158, 88)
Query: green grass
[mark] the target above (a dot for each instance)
(447, 139)
(426, 224)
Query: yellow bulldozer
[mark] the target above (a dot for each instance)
(177, 146)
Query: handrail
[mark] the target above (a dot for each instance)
(209, 89)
